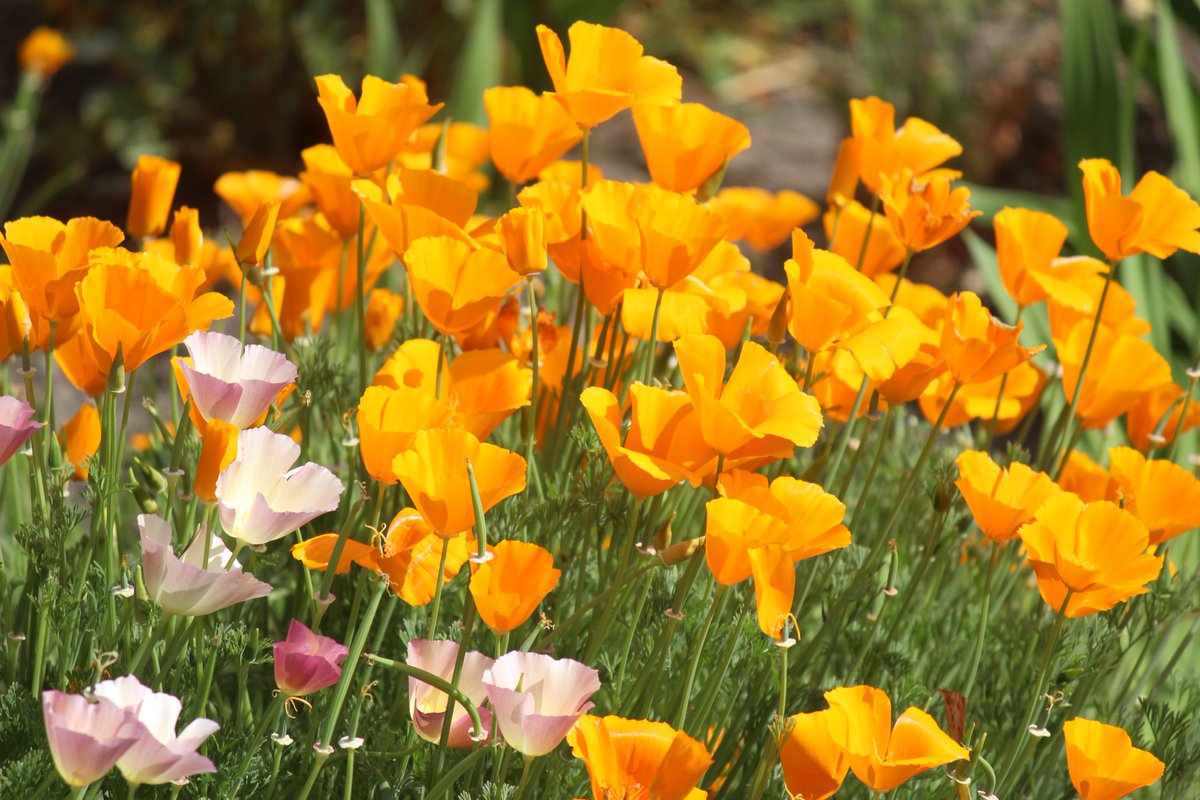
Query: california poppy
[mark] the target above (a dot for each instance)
(663, 445)
(1103, 763)
(370, 131)
(455, 284)
(757, 530)
(976, 346)
(80, 438)
(509, 586)
(245, 192)
(1096, 551)
(256, 238)
(625, 757)
(434, 473)
(687, 143)
(1122, 368)
(924, 212)
(388, 420)
(1001, 499)
(329, 180)
(522, 234)
(1146, 418)
(847, 228)
(528, 131)
(1160, 493)
(538, 698)
(885, 151)
(384, 308)
(761, 219)
(1087, 480)
(814, 767)
(49, 258)
(44, 52)
(591, 95)
(153, 189)
(1027, 243)
(884, 755)
(760, 413)
(187, 240)
(1157, 217)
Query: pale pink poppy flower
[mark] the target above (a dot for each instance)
(538, 698)
(16, 426)
(230, 384)
(307, 662)
(187, 584)
(261, 498)
(427, 704)
(86, 738)
(160, 754)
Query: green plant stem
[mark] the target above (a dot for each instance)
(652, 344)
(843, 440)
(334, 712)
(525, 771)
(869, 481)
(446, 782)
(991, 428)
(436, 682)
(531, 475)
(630, 631)
(981, 629)
(612, 608)
(359, 302)
(1017, 747)
(335, 557)
(1187, 400)
(714, 609)
(269, 720)
(710, 696)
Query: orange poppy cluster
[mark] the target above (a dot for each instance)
(387, 218)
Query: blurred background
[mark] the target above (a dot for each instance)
(1028, 86)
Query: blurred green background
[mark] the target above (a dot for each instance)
(1028, 86)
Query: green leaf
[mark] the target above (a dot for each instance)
(383, 40)
(481, 65)
(991, 200)
(1179, 101)
(1091, 92)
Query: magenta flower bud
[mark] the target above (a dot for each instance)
(427, 704)
(307, 662)
(186, 584)
(230, 384)
(86, 738)
(538, 698)
(16, 426)
(159, 755)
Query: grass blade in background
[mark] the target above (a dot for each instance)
(481, 64)
(383, 40)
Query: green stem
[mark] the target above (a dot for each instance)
(436, 606)
(697, 649)
(991, 429)
(269, 720)
(865, 491)
(981, 631)
(612, 607)
(359, 304)
(436, 682)
(525, 771)
(652, 345)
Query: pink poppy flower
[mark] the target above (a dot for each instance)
(261, 498)
(427, 705)
(307, 662)
(16, 426)
(538, 698)
(230, 384)
(160, 755)
(86, 738)
(188, 584)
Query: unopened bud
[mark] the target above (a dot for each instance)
(682, 551)
(777, 327)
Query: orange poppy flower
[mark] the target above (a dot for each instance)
(15, 323)
(663, 446)
(560, 201)
(923, 300)
(187, 240)
(245, 192)
(434, 473)
(388, 420)
(1146, 417)
(522, 233)
(1157, 217)
(571, 172)
(1095, 551)
(143, 304)
(846, 228)
(80, 439)
(370, 132)
(448, 197)
(329, 182)
(761, 219)
(509, 587)
(589, 94)
(1086, 479)
(885, 151)
(49, 258)
(45, 51)
(1103, 763)
(218, 449)
(760, 531)
(481, 388)
(1122, 368)
(384, 308)
(456, 285)
(465, 150)
(925, 212)
(409, 555)
(528, 132)
(687, 143)
(153, 189)
(627, 758)
(82, 362)
(1022, 390)
(813, 767)
(884, 755)
(1027, 243)
(910, 380)
(1160, 493)
(843, 183)
(976, 346)
(256, 238)
(760, 413)
(1001, 499)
